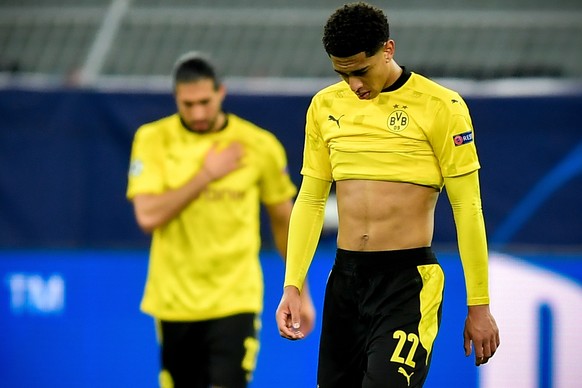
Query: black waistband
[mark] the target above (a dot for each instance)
(384, 260)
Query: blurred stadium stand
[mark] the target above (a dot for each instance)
(81, 42)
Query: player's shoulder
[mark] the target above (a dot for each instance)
(328, 94)
(430, 87)
(331, 90)
(158, 127)
(437, 92)
(250, 130)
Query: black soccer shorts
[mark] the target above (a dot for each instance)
(381, 315)
(218, 352)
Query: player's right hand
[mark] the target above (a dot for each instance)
(220, 162)
(288, 314)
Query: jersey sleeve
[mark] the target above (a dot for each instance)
(316, 161)
(276, 184)
(305, 229)
(465, 199)
(145, 173)
(452, 138)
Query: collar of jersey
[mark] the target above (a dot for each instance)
(399, 82)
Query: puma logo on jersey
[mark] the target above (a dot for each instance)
(408, 376)
(337, 121)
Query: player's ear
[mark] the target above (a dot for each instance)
(388, 49)
(221, 91)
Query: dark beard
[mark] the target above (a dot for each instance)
(187, 127)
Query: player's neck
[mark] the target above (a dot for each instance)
(221, 122)
(394, 73)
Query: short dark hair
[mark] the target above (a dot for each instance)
(355, 28)
(194, 66)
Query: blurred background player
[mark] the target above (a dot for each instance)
(197, 180)
(390, 139)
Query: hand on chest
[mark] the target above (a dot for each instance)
(184, 160)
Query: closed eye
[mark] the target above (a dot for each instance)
(355, 73)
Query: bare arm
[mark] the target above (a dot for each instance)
(155, 210)
(279, 215)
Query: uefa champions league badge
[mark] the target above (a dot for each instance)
(463, 138)
(135, 167)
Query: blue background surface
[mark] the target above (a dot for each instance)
(101, 339)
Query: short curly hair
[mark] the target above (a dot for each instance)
(355, 28)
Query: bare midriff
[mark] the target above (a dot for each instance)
(382, 216)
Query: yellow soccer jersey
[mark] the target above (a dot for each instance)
(418, 133)
(204, 264)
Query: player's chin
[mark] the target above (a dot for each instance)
(199, 126)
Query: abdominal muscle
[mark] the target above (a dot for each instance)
(381, 216)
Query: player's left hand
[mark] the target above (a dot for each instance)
(481, 331)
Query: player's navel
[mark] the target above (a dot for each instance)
(364, 240)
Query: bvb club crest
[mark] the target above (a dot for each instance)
(397, 121)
